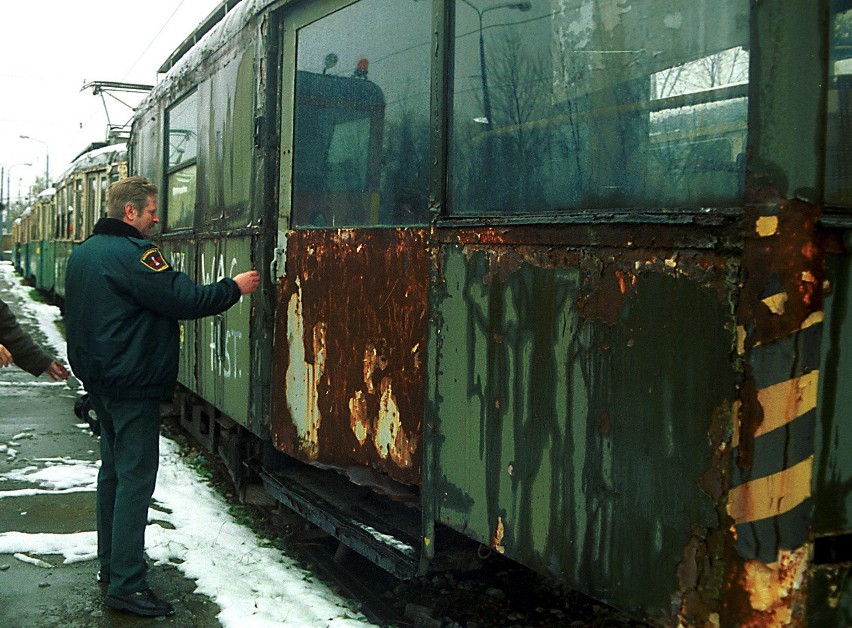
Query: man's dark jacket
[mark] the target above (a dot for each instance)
(122, 307)
(26, 353)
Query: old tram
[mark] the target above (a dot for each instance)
(568, 276)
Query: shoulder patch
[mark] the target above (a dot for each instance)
(153, 259)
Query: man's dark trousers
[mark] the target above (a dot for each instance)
(130, 446)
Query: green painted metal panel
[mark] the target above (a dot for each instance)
(234, 366)
(575, 445)
(209, 328)
(181, 256)
(27, 259)
(832, 496)
(223, 371)
(830, 596)
(47, 268)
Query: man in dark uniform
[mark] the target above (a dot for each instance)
(122, 306)
(16, 347)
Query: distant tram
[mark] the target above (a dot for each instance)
(570, 277)
(64, 215)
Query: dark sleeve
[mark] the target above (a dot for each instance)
(27, 354)
(174, 295)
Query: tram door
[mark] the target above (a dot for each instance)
(352, 266)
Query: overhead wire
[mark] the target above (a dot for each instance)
(151, 43)
(139, 58)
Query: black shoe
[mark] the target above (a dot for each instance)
(140, 603)
(103, 578)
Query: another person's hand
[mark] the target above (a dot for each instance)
(247, 282)
(56, 371)
(6, 358)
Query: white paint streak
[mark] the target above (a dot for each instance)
(302, 377)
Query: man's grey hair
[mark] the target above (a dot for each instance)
(132, 190)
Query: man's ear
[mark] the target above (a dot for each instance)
(129, 211)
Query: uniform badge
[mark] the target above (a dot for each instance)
(153, 259)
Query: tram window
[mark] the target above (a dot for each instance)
(181, 199)
(572, 104)
(838, 162)
(182, 149)
(361, 119)
(227, 163)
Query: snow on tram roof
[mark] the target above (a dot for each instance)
(211, 35)
(99, 156)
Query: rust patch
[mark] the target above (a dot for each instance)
(610, 278)
(699, 601)
(786, 261)
(349, 331)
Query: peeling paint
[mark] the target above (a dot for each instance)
(497, 537)
(360, 419)
(766, 226)
(303, 378)
(390, 437)
(776, 303)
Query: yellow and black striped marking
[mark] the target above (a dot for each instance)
(770, 500)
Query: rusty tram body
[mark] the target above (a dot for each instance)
(570, 277)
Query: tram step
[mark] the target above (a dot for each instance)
(383, 531)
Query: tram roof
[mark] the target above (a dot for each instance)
(218, 28)
(95, 155)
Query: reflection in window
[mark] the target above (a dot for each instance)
(182, 133)
(361, 124)
(562, 104)
(181, 198)
(229, 140)
(838, 163)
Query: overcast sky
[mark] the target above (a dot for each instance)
(50, 48)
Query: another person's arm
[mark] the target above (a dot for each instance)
(6, 358)
(23, 350)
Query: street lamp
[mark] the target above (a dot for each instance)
(486, 98)
(46, 158)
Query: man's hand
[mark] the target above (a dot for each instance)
(247, 282)
(56, 371)
(6, 358)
